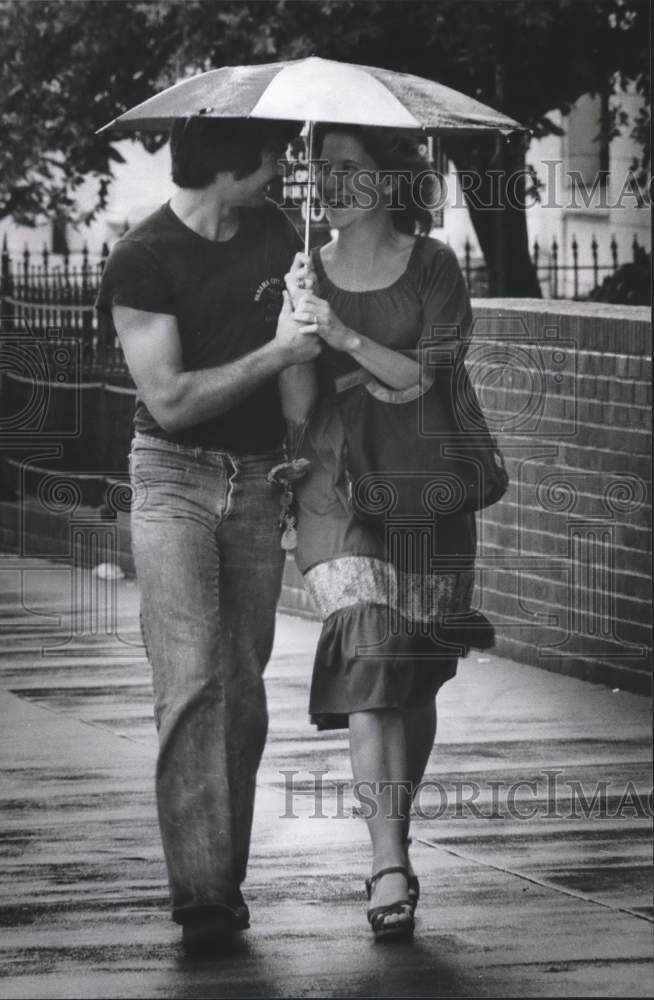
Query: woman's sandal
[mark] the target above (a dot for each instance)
(413, 890)
(402, 926)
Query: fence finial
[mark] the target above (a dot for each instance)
(5, 269)
(555, 267)
(635, 247)
(467, 249)
(594, 248)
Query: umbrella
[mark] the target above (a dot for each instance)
(313, 90)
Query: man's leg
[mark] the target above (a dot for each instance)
(251, 563)
(178, 562)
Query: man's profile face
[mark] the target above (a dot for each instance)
(251, 190)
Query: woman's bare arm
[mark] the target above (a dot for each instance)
(298, 388)
(387, 365)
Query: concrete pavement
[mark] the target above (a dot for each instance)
(520, 896)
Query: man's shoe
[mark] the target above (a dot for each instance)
(241, 911)
(210, 934)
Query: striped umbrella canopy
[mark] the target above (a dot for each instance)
(317, 90)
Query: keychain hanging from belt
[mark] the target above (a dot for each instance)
(285, 475)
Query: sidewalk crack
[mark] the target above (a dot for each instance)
(575, 893)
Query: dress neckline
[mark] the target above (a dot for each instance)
(323, 276)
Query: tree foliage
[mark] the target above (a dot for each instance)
(66, 68)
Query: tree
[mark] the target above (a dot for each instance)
(68, 67)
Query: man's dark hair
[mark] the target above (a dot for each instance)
(203, 147)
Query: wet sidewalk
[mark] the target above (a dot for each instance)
(532, 841)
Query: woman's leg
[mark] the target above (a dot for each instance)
(380, 768)
(419, 734)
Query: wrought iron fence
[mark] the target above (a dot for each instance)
(54, 299)
(556, 279)
(50, 292)
(70, 350)
(64, 379)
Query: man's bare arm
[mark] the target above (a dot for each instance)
(178, 399)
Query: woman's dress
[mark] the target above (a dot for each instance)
(380, 597)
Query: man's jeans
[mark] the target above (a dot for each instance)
(206, 545)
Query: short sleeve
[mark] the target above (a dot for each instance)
(447, 314)
(446, 320)
(446, 311)
(134, 277)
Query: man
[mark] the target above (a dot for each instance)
(195, 293)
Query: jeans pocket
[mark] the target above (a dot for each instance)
(160, 466)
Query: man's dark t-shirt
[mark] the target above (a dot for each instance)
(226, 297)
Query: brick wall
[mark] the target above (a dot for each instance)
(563, 564)
(563, 559)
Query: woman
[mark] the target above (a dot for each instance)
(380, 286)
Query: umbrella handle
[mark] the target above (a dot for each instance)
(307, 218)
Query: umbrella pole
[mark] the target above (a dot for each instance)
(309, 201)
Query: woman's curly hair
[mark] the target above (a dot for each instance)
(399, 154)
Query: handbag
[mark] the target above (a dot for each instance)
(420, 451)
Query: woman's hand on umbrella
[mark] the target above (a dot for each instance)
(329, 326)
(300, 279)
(296, 334)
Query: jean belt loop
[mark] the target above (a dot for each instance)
(197, 451)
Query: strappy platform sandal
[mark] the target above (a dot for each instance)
(413, 885)
(402, 924)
